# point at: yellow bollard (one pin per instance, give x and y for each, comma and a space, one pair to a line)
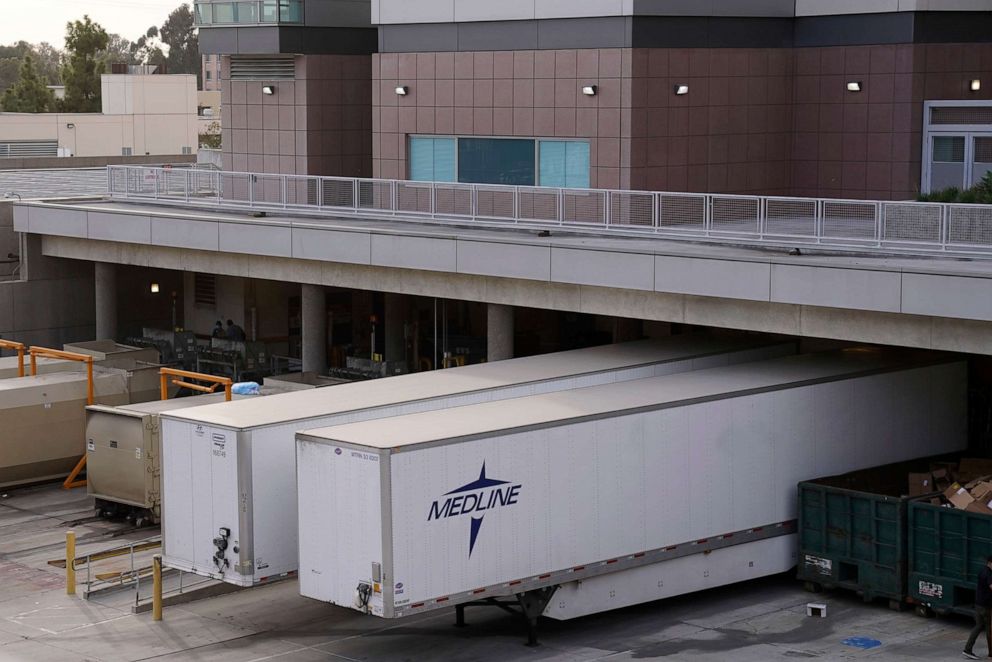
157, 587
70, 563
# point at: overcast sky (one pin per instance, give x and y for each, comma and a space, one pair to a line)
44, 20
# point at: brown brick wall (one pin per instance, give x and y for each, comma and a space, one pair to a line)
317, 124
770, 121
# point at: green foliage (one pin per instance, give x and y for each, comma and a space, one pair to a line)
46, 60
210, 140
29, 94
980, 193
84, 42
179, 34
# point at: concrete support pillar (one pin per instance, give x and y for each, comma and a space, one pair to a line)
499, 337
313, 303
105, 283
395, 315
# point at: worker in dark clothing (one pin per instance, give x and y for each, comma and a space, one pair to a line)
219, 330
983, 608
234, 332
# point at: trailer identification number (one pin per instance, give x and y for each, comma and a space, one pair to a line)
371, 457
220, 441
931, 590
818, 564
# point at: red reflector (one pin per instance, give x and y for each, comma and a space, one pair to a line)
478, 590
263, 579
515, 582
728, 535
700, 542
577, 568
442, 599
638, 555
760, 528
419, 604
672, 548
611, 561
291, 573
544, 576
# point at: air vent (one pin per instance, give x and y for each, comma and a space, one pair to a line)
205, 290
250, 67
961, 115
21, 148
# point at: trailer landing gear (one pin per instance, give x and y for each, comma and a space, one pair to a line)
529, 604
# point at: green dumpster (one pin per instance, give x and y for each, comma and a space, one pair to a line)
852, 530
947, 549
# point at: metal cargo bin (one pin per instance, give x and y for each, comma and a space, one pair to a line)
608, 496
232, 466
947, 549
8, 366
123, 453
44, 421
104, 352
852, 530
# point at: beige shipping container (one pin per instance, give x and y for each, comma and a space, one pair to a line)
44, 421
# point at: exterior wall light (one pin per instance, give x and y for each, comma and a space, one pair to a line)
975, 85
854, 86
590, 90
402, 90
681, 90
154, 288
70, 125
268, 89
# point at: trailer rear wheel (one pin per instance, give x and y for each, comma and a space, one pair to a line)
813, 587
924, 611
897, 605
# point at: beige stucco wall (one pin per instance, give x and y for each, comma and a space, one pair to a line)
150, 114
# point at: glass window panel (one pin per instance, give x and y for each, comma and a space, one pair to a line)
496, 161
291, 11
577, 164
948, 149
444, 160
552, 166
204, 13
432, 159
223, 12
982, 162
247, 12
270, 11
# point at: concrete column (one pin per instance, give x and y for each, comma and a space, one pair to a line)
499, 337
314, 309
105, 283
395, 315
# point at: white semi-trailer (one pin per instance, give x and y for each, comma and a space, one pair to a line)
229, 469
581, 501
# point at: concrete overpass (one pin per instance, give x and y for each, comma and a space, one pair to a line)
863, 295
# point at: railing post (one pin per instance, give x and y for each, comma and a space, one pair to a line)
186, 173
433, 199
283, 182
251, 190
879, 221
356, 194
157, 587
561, 207
393, 196
608, 208
516, 204
945, 226
708, 215
70, 563
762, 215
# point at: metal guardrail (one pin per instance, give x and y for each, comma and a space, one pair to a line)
912, 227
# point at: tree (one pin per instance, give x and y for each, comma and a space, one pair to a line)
49, 62
179, 34
84, 40
11, 58
119, 50
147, 49
29, 94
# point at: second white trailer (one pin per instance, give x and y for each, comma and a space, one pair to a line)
229, 470
603, 497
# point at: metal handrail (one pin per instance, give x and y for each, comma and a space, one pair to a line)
19, 348
892, 226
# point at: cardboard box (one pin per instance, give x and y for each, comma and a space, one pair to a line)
920, 484
983, 507
958, 496
974, 467
982, 491
942, 478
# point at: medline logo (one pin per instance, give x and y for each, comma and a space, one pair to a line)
475, 499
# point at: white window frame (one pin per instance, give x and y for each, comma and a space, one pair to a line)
968, 131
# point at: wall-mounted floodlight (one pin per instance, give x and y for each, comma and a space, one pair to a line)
269, 89
854, 86
154, 288
402, 90
975, 85
590, 90
681, 90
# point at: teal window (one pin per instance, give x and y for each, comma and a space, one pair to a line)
432, 159
564, 163
496, 161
